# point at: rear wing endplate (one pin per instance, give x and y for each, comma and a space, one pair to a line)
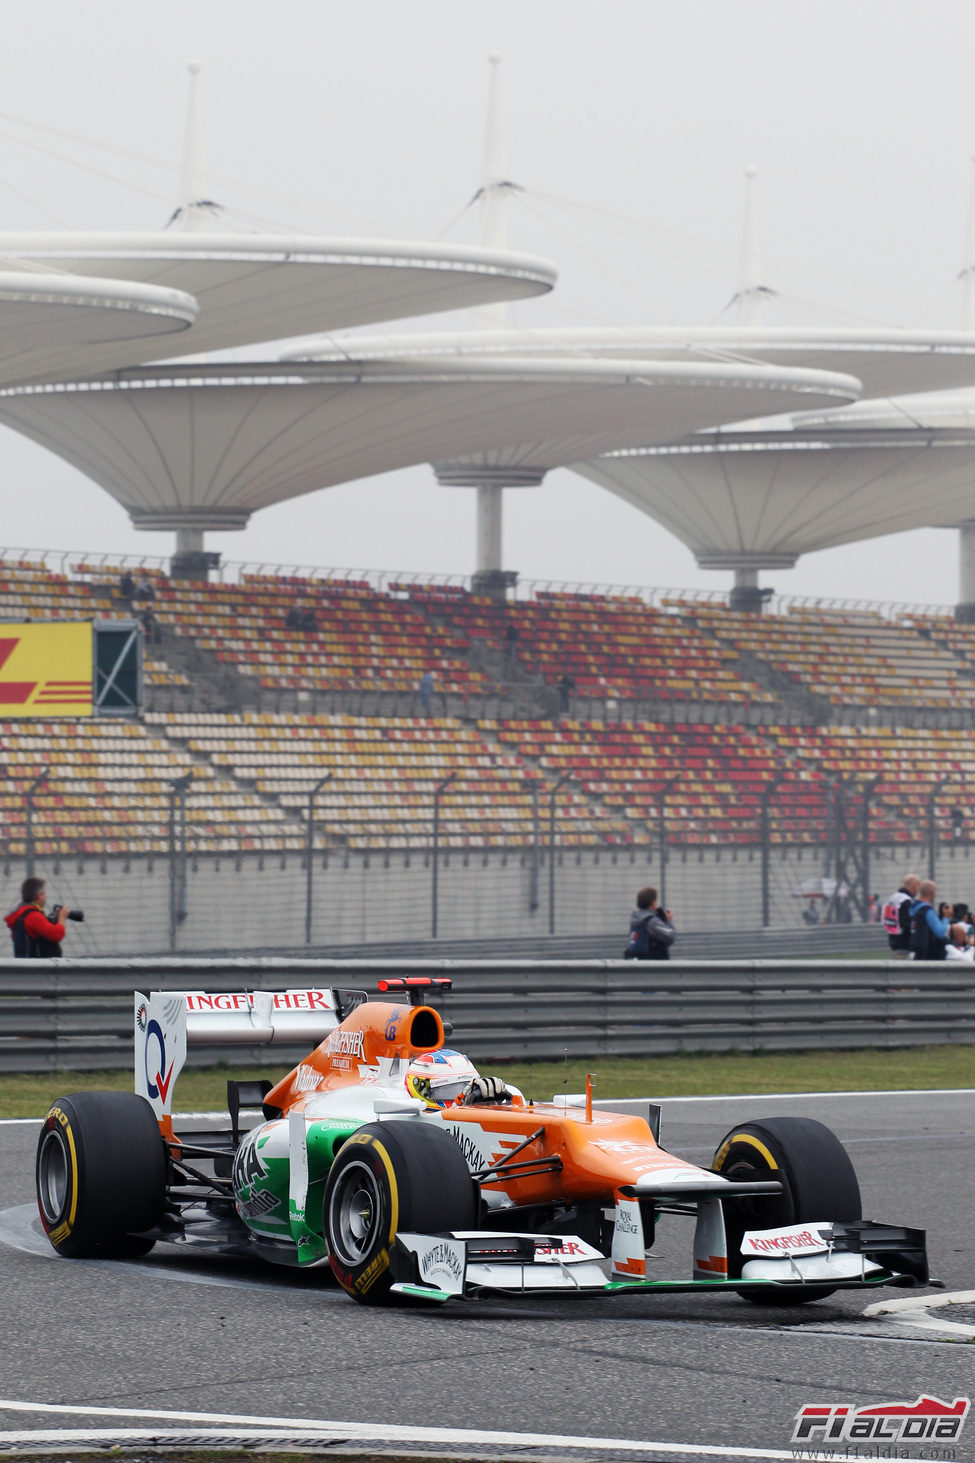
166, 1022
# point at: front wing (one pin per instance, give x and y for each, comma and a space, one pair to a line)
441, 1267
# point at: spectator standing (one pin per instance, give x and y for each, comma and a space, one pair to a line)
510, 649
566, 685
426, 692
651, 929
34, 935
929, 931
145, 591
896, 917
961, 914
961, 943
293, 618
150, 625
126, 586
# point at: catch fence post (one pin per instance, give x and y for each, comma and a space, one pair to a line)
29, 830
665, 791
560, 782
533, 879
438, 792
177, 854
310, 849
936, 788
869, 788
768, 793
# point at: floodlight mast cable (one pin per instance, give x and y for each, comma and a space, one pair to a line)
966, 536
495, 190
751, 292
750, 298
195, 211
494, 234
479, 472
967, 272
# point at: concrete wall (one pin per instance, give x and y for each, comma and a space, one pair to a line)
254, 904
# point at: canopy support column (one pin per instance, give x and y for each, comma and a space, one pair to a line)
965, 608
490, 521
189, 541
746, 594
490, 481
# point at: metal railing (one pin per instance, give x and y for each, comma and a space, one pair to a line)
77, 1015
65, 561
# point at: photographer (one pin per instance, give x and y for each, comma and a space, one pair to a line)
651, 929
35, 936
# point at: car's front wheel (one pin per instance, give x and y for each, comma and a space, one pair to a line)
818, 1183
388, 1177
100, 1173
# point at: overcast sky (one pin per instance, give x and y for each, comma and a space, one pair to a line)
629, 125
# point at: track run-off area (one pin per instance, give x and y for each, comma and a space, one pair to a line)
179, 1351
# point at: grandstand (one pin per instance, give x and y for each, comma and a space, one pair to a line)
807, 743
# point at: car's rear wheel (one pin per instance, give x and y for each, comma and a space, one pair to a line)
100, 1174
388, 1177
818, 1182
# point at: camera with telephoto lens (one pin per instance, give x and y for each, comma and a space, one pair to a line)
78, 915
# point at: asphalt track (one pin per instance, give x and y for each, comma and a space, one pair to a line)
169, 1347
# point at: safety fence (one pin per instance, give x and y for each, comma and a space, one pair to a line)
67, 562
78, 1015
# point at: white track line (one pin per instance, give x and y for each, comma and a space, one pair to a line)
914, 1311
804, 1096
177, 1117
717, 1097
250, 1438
280, 1430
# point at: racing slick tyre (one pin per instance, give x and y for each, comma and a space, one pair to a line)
818, 1182
100, 1173
388, 1177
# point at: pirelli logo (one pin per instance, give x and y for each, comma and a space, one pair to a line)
45, 670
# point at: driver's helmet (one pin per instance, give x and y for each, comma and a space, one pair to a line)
438, 1078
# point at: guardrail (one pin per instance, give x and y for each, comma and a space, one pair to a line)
76, 1015
800, 942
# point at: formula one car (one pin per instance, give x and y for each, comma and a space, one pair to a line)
388, 1158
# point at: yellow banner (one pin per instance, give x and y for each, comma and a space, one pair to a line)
45, 670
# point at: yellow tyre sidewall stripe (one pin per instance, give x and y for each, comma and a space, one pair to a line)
749, 1141
387, 1162
66, 1224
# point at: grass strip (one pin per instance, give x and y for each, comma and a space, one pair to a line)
29, 1095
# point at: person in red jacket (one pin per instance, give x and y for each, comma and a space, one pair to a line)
33, 934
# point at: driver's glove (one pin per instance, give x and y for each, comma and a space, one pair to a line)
487, 1089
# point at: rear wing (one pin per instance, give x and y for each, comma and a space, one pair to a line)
166, 1022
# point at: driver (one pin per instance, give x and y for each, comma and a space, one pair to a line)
441, 1078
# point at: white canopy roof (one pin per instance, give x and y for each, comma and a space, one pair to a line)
207, 445
753, 499
259, 287
887, 362
760, 493
928, 411
44, 314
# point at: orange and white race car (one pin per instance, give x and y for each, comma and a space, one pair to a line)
387, 1157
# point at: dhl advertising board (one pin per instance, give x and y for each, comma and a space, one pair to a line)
45, 670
